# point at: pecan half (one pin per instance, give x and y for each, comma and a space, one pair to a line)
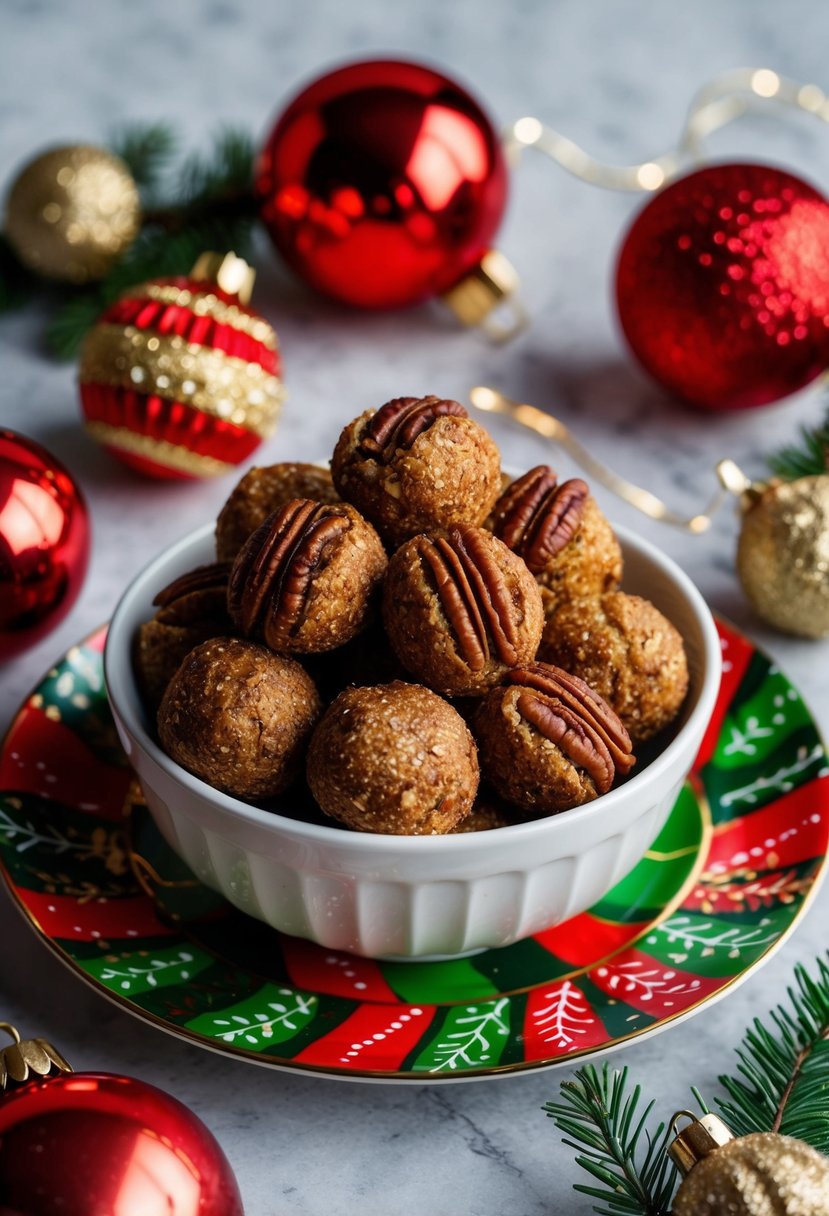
566, 710
474, 595
536, 517
271, 578
398, 423
203, 578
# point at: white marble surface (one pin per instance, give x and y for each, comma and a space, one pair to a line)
614, 75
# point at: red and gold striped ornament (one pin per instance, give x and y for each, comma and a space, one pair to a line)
179, 378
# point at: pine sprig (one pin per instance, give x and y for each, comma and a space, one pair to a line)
227, 171
782, 1085
154, 254
211, 206
601, 1120
806, 459
146, 149
782, 1081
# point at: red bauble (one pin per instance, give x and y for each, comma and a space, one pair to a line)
44, 542
93, 1144
179, 378
723, 286
382, 184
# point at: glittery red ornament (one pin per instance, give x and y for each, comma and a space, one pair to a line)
44, 542
95, 1144
179, 378
723, 286
382, 184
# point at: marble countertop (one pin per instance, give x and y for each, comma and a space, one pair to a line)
616, 76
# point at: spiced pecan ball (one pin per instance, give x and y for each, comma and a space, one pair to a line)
304, 582
261, 492
548, 742
191, 610
417, 463
460, 609
628, 653
562, 535
239, 716
395, 759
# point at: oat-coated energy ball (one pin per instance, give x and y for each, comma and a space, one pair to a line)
263, 491
417, 463
304, 582
395, 759
627, 652
460, 609
191, 610
548, 742
561, 533
238, 716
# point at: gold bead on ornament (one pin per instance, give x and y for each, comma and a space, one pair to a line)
71, 212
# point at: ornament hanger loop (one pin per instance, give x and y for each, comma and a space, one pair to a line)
10, 1030
721, 101
549, 427
674, 1122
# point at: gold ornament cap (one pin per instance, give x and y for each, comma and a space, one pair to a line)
27, 1057
229, 272
701, 1137
490, 284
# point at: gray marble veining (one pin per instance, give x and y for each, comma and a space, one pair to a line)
615, 75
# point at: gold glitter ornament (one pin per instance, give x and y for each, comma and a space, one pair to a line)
764, 1174
71, 212
783, 550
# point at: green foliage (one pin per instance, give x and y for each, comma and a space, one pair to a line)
782, 1081
781, 1085
601, 1121
206, 203
154, 254
227, 171
808, 458
146, 149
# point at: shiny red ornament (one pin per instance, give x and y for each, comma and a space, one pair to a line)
723, 286
382, 184
44, 542
94, 1144
179, 378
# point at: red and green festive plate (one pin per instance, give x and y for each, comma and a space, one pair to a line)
724, 883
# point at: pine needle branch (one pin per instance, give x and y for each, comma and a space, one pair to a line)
782, 1081
213, 208
154, 254
806, 459
146, 149
602, 1123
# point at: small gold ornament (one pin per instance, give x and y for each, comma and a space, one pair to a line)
71, 212
783, 549
764, 1174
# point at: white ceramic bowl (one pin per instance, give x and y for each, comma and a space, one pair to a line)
413, 896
